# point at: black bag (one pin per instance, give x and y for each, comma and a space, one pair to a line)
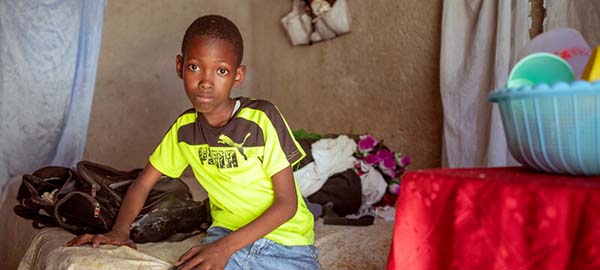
37, 192
89, 200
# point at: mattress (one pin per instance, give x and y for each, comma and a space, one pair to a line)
341, 247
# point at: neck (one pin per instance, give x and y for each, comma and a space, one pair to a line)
221, 117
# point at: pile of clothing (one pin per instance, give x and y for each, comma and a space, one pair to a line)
339, 178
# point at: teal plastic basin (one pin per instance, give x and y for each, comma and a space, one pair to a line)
553, 128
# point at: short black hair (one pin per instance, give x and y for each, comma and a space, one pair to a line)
215, 26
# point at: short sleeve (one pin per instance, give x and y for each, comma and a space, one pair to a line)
281, 149
168, 157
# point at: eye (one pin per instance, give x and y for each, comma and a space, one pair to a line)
194, 67
222, 71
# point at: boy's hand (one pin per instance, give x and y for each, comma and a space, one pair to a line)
110, 238
204, 257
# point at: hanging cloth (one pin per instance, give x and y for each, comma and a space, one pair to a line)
480, 41
48, 59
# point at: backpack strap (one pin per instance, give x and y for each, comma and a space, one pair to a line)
86, 213
102, 177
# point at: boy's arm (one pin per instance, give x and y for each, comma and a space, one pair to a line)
217, 253
130, 207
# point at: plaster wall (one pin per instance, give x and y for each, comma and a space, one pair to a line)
382, 78
138, 94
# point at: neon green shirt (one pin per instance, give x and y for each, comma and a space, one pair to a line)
234, 164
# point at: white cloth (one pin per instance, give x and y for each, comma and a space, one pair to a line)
386, 212
582, 15
480, 41
373, 188
297, 24
331, 156
330, 21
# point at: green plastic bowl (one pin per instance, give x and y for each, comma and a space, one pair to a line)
540, 68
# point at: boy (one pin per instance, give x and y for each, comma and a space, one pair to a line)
241, 151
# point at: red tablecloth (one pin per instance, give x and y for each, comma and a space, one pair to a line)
496, 218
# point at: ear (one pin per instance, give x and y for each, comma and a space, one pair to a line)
179, 66
240, 74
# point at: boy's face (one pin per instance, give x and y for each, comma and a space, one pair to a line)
209, 71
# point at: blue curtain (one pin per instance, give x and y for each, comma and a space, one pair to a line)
48, 60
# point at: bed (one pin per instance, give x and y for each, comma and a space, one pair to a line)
341, 247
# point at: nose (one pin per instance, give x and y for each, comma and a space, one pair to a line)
206, 81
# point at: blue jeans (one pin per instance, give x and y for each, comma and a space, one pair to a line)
265, 254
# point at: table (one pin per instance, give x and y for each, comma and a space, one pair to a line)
496, 218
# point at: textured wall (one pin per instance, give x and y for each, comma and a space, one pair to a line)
381, 78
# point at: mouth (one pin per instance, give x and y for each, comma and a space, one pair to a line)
203, 97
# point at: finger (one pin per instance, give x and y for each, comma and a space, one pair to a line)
131, 244
98, 239
72, 241
188, 255
80, 240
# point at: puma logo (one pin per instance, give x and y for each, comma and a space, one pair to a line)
223, 139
